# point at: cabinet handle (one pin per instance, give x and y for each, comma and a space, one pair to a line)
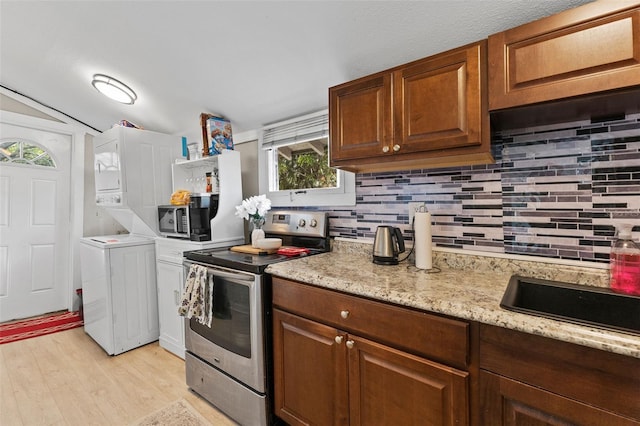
344, 314
396, 148
385, 149
176, 296
339, 339
350, 344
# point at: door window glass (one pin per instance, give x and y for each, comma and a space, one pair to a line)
23, 152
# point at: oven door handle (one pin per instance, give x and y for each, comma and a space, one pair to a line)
223, 273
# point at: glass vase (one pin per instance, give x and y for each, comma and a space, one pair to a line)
257, 233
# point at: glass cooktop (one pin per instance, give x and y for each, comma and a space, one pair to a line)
255, 263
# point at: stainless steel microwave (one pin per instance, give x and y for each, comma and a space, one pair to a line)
173, 221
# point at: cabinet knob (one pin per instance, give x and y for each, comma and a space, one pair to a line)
350, 344
396, 148
339, 339
385, 149
344, 314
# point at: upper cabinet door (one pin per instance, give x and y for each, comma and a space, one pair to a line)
589, 49
360, 117
438, 102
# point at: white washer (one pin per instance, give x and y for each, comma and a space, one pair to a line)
119, 291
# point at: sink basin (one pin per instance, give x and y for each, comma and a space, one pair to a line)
595, 306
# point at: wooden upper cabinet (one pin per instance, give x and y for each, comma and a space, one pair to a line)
428, 113
590, 49
437, 102
361, 119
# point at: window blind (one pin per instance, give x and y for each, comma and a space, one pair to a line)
297, 130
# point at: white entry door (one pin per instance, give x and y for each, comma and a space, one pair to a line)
34, 221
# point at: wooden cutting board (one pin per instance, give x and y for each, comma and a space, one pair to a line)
252, 250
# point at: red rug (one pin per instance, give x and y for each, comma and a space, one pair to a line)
25, 329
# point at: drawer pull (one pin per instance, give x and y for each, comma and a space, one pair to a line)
350, 344
339, 339
344, 314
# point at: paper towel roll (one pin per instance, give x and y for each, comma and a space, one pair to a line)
422, 241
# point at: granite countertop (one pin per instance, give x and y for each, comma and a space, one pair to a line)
468, 287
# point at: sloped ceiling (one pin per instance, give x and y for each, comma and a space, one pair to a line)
252, 62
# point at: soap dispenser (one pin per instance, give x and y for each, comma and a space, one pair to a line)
625, 262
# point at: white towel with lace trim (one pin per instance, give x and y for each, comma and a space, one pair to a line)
197, 298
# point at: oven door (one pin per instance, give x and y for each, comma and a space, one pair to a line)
235, 341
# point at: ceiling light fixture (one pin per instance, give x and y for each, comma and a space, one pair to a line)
114, 89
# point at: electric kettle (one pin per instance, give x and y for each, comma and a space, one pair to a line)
387, 245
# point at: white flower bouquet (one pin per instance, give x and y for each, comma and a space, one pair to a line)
254, 208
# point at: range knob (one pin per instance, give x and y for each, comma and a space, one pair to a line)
302, 223
313, 223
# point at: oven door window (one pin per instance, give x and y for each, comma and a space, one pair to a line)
231, 324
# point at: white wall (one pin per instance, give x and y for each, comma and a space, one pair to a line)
12, 105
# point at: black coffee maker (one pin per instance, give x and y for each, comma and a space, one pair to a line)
202, 208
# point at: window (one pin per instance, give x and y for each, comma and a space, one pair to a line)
21, 152
294, 165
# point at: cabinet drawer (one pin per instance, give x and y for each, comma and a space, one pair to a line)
438, 338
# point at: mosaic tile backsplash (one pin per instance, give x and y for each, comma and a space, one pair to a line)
554, 191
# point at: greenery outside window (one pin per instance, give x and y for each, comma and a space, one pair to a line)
23, 152
294, 160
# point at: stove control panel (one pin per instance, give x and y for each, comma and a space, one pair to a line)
295, 222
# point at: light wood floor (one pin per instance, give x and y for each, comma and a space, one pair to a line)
67, 379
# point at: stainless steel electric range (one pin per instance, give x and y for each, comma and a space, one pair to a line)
230, 364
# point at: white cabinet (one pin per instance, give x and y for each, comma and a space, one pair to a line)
170, 280
133, 175
170, 287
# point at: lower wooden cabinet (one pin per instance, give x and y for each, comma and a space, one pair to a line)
387, 386
325, 375
510, 402
533, 380
310, 376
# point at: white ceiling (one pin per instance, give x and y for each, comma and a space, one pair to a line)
253, 62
